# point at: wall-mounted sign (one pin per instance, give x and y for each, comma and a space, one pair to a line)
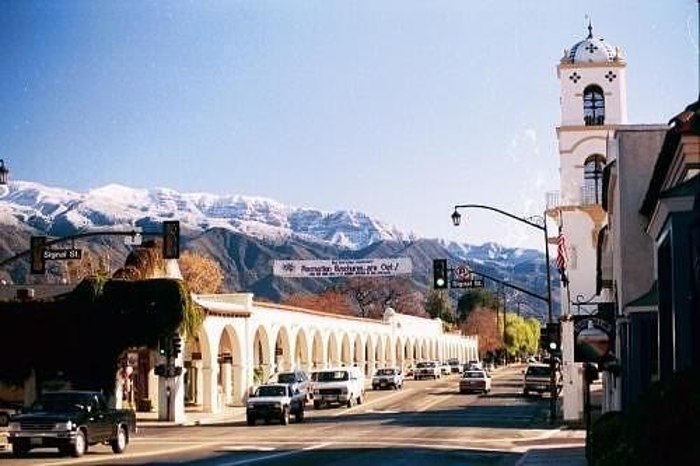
342, 268
594, 338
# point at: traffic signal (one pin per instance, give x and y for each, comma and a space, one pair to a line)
177, 345
553, 338
164, 348
171, 239
440, 274
37, 260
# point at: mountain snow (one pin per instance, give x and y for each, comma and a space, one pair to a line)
57, 211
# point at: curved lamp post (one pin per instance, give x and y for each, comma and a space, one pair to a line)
457, 219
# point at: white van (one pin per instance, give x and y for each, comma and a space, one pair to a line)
344, 385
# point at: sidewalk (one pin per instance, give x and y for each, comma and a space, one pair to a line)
194, 418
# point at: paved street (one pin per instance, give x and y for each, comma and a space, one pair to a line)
428, 422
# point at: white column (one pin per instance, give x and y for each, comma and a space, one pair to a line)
572, 373
210, 401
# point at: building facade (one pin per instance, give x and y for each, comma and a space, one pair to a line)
243, 343
592, 78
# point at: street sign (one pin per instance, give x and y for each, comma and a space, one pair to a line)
470, 283
462, 273
63, 254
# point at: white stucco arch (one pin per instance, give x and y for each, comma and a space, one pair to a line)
302, 351
262, 353
283, 350
333, 350
239, 336
318, 352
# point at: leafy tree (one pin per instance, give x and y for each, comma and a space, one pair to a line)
474, 298
200, 273
482, 322
437, 304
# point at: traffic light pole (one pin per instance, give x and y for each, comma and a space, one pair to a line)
456, 218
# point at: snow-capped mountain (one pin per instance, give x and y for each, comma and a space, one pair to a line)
59, 212
244, 234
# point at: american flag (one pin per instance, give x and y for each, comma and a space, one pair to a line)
562, 257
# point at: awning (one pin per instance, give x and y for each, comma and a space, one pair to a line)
647, 302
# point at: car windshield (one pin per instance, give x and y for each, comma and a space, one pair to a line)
271, 391
61, 402
286, 378
386, 372
474, 375
538, 371
333, 376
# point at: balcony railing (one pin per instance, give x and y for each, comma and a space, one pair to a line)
587, 196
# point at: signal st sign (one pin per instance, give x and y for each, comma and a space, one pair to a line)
63, 254
342, 268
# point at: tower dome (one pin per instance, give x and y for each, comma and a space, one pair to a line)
592, 49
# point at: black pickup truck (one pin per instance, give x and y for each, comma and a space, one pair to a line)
70, 421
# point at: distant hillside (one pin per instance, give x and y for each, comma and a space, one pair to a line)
244, 235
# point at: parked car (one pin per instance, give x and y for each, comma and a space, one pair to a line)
455, 366
475, 381
275, 401
427, 370
473, 365
388, 377
299, 380
445, 368
70, 421
345, 385
538, 379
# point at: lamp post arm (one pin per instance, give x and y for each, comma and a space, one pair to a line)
502, 212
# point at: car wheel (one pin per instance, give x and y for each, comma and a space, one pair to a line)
317, 404
350, 402
360, 399
80, 446
20, 449
284, 419
299, 417
250, 420
119, 443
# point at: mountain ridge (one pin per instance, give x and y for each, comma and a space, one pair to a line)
244, 233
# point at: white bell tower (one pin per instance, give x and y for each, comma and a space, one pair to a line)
592, 78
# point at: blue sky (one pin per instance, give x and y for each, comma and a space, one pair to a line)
399, 109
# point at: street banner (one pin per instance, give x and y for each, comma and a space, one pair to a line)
342, 268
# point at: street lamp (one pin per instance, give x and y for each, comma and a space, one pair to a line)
457, 219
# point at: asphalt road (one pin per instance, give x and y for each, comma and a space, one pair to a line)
428, 422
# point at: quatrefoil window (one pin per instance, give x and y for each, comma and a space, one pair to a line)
575, 77
610, 76
591, 48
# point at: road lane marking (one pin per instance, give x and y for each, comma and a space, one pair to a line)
245, 448
128, 455
432, 403
369, 403
278, 455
